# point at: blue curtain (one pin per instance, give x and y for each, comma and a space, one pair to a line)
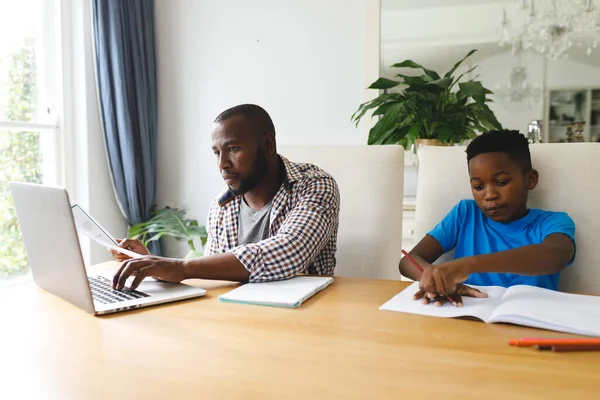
126, 75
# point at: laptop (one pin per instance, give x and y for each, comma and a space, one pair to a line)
56, 262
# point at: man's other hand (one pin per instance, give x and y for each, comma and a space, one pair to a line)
129, 244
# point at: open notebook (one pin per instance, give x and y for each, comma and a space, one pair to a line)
289, 293
520, 305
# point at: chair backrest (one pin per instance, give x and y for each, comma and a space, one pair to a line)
370, 180
569, 182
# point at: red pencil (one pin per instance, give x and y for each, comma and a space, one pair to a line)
412, 260
581, 347
551, 342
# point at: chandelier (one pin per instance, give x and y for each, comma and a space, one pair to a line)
518, 93
552, 27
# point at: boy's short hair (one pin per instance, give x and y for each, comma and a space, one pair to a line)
511, 142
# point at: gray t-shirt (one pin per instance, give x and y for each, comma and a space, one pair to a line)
253, 226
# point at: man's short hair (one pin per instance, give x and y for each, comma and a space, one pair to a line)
251, 112
511, 142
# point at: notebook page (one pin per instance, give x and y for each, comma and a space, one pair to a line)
472, 307
547, 309
288, 293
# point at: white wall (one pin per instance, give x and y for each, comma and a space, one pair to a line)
302, 60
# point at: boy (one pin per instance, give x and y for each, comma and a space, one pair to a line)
497, 239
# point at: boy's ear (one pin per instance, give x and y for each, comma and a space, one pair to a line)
532, 179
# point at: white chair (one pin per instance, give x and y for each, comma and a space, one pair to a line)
569, 182
370, 180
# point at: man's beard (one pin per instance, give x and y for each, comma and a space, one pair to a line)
259, 170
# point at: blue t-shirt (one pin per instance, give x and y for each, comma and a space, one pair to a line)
467, 230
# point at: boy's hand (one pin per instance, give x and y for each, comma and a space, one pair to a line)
130, 244
461, 290
442, 279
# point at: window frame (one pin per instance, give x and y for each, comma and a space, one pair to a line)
50, 59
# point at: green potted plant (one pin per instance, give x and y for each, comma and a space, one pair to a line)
170, 222
443, 110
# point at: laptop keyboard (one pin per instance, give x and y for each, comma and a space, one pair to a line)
102, 291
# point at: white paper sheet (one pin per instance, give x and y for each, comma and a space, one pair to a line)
86, 225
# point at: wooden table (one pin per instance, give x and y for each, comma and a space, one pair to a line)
336, 345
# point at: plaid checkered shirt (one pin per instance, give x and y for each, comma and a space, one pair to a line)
303, 227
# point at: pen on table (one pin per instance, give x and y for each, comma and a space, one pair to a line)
579, 347
412, 260
552, 342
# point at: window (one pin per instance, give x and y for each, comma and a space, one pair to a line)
29, 134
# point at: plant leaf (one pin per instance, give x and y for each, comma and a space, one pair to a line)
194, 254
444, 133
380, 100
399, 136
443, 83
168, 222
415, 80
383, 83
488, 119
413, 132
463, 74
382, 109
449, 73
412, 64
473, 89
385, 124
385, 137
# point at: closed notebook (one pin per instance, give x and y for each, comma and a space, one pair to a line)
520, 305
289, 293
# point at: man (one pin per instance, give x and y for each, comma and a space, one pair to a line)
274, 220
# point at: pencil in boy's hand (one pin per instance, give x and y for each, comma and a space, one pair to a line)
412, 260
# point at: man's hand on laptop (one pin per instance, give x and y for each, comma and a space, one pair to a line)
129, 244
161, 268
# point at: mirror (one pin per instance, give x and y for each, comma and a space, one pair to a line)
560, 92
562, 97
